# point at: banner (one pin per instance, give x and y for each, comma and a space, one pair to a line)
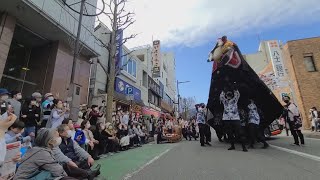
277, 60
156, 55
119, 51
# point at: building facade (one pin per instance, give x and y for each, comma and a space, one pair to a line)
268, 63
302, 58
37, 41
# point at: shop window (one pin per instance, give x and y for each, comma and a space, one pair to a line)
309, 63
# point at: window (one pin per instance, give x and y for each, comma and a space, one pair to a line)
145, 79
309, 63
129, 65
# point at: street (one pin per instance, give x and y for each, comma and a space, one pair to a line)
187, 160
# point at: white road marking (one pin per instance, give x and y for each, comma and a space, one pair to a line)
129, 175
305, 155
310, 138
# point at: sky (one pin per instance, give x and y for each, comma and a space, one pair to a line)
190, 28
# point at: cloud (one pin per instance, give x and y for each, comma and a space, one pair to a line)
195, 22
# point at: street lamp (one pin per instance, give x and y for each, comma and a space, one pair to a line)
179, 93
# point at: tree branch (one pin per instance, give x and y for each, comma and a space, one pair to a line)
124, 40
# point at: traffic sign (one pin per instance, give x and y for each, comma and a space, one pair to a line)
129, 91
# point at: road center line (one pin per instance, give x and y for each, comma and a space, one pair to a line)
129, 175
305, 155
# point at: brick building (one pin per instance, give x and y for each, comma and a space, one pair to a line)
302, 60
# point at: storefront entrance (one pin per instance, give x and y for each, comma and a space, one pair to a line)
27, 62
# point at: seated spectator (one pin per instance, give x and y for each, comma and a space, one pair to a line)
112, 140
14, 133
137, 130
71, 131
91, 142
58, 114
122, 134
145, 131
79, 137
134, 138
99, 135
39, 161
75, 160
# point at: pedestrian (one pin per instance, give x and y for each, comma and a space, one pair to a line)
293, 117
15, 102
254, 128
231, 117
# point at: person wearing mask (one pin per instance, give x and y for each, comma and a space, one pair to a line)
71, 131
75, 160
314, 119
7, 118
122, 134
30, 116
94, 114
231, 117
47, 108
137, 130
38, 107
254, 130
91, 142
293, 117
58, 114
112, 140
14, 133
15, 102
41, 158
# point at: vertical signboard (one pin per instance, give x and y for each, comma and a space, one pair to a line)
156, 59
119, 53
277, 60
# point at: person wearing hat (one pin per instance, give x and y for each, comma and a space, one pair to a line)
46, 108
15, 102
292, 115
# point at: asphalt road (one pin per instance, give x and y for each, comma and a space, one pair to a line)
188, 161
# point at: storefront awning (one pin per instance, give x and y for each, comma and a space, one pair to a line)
123, 99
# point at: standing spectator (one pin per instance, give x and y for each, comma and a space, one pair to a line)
58, 114
314, 119
94, 115
293, 117
38, 107
125, 118
15, 102
30, 116
47, 108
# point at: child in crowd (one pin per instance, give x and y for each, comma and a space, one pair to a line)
14, 133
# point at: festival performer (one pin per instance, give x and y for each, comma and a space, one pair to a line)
202, 124
254, 129
230, 69
231, 117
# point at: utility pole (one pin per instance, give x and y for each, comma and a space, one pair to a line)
74, 90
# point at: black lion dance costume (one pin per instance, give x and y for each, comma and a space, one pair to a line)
234, 86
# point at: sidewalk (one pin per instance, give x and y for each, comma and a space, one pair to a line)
310, 134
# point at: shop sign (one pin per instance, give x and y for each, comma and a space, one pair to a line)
154, 86
122, 87
156, 59
277, 60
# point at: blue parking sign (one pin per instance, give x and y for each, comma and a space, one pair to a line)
129, 90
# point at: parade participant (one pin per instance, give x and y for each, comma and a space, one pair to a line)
231, 117
293, 117
200, 119
254, 122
